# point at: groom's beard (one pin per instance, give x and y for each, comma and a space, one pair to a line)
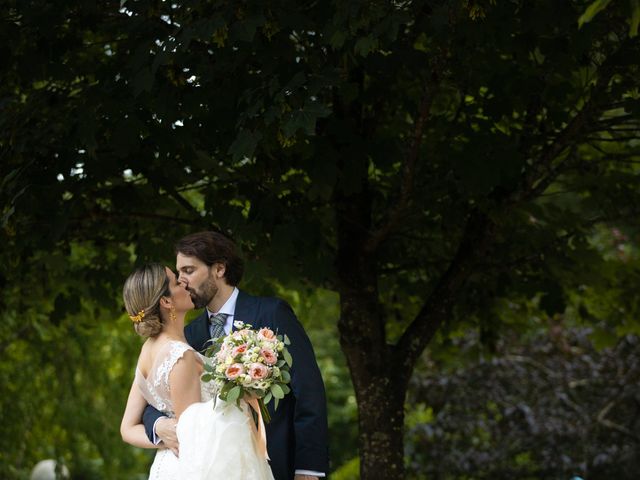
202, 296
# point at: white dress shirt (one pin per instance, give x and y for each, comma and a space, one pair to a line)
229, 309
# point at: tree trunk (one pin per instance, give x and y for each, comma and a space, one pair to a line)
380, 423
380, 391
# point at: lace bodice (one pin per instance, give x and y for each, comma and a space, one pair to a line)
155, 387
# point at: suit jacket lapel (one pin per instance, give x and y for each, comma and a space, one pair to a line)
245, 308
199, 331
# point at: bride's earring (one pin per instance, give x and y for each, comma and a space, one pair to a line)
172, 314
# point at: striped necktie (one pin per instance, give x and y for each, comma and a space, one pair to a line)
218, 322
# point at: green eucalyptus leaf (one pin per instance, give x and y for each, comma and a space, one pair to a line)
234, 394
288, 358
276, 391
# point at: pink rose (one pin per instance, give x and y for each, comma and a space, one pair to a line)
239, 350
267, 334
269, 356
234, 371
258, 371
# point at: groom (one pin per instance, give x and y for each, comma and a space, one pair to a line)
297, 438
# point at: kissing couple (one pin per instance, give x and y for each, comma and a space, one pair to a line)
170, 409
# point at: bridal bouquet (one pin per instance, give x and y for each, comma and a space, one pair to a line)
250, 362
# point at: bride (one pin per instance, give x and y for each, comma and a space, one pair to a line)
217, 439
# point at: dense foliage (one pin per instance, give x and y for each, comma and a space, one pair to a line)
549, 407
426, 161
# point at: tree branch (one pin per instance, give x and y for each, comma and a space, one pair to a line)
553, 173
602, 420
126, 215
479, 233
542, 173
408, 172
477, 236
616, 139
182, 201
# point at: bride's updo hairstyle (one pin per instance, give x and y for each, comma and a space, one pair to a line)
141, 294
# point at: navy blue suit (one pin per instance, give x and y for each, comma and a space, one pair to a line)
297, 437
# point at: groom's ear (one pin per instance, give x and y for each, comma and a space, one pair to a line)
219, 269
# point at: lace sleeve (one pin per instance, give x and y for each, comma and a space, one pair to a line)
158, 381
176, 352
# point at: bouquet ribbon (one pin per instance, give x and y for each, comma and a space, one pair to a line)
260, 432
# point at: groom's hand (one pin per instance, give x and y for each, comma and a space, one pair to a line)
166, 431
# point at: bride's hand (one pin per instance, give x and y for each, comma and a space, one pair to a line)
166, 431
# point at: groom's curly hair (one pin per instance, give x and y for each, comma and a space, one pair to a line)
214, 247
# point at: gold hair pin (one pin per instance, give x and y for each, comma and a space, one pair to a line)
137, 318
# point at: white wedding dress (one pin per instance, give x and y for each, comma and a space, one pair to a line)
216, 442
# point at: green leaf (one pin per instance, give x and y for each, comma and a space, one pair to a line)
287, 357
143, 81
285, 389
234, 394
286, 340
635, 18
212, 350
245, 30
366, 45
286, 376
337, 39
125, 138
244, 145
592, 10
422, 43
207, 377
224, 391
277, 391
305, 118
267, 398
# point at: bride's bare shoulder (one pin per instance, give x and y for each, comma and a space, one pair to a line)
147, 355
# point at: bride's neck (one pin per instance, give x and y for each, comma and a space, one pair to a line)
174, 329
